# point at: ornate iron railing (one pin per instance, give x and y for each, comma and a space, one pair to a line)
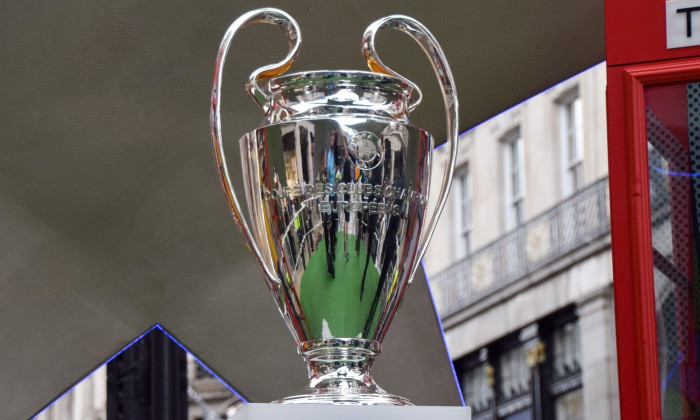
572, 224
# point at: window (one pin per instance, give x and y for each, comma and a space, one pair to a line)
515, 185
571, 132
567, 356
565, 388
478, 393
533, 372
569, 406
463, 192
522, 415
514, 373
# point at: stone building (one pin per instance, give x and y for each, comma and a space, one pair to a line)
86, 401
520, 264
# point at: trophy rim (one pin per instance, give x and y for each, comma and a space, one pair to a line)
331, 117
323, 77
333, 92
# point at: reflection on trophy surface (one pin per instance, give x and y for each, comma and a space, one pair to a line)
336, 188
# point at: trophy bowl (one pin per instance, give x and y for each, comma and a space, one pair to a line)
336, 187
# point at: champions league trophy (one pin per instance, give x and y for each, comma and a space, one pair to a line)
336, 187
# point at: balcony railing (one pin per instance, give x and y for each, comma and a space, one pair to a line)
572, 224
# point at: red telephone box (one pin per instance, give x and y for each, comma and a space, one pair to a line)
654, 157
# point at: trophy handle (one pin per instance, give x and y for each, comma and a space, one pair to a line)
449, 94
291, 29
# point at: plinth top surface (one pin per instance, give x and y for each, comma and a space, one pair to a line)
349, 412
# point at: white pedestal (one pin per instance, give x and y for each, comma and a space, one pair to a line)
349, 412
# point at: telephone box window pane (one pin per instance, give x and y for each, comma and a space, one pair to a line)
673, 136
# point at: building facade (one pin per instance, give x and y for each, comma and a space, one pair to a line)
520, 264
86, 401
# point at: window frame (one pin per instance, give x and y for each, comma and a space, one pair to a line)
571, 131
514, 173
463, 206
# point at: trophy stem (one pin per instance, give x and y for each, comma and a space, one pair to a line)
340, 373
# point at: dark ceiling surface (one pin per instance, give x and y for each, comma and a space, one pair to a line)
111, 214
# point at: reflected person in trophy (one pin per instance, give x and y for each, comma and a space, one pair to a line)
338, 157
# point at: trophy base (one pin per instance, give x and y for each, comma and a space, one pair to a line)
340, 374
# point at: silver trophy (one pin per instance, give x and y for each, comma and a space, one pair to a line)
336, 187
